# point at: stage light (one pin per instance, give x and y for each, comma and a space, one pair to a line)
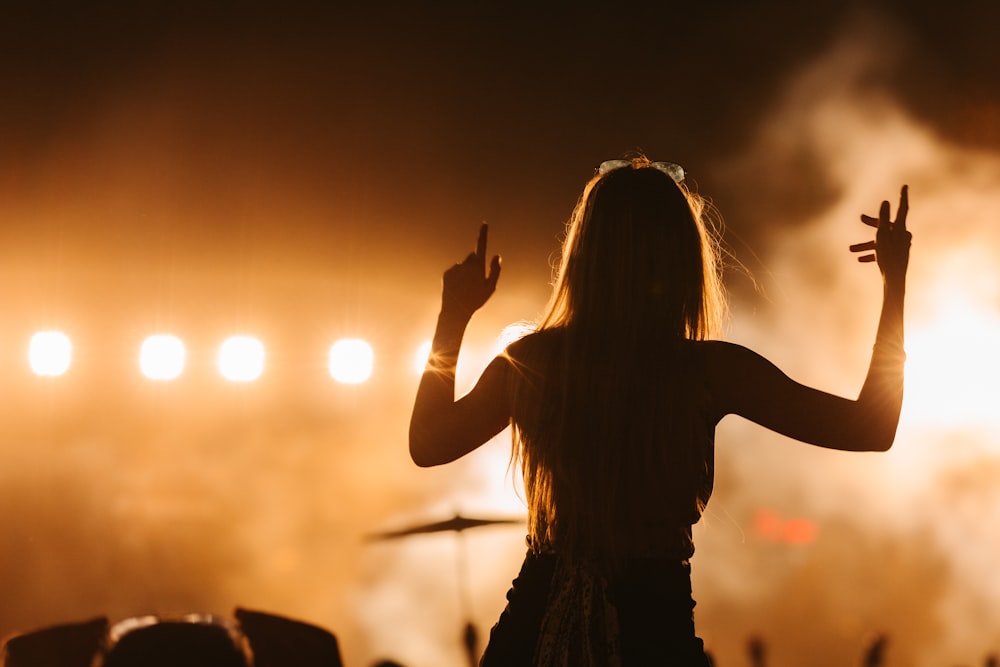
162, 357
351, 361
423, 354
241, 359
50, 353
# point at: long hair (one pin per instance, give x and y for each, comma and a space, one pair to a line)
603, 424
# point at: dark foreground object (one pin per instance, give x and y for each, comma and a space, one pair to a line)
257, 638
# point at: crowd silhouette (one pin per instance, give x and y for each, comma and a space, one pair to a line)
257, 639
250, 639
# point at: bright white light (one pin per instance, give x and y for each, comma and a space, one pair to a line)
423, 354
351, 361
50, 353
162, 357
241, 359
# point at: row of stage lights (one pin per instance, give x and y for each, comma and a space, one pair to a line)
162, 357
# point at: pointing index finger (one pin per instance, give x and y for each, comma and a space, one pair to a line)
481, 243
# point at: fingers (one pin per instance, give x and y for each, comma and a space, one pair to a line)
867, 246
481, 243
883, 215
479, 258
881, 223
884, 225
494, 274
904, 207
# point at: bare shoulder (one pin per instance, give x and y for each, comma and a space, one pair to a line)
741, 380
720, 350
533, 345
727, 364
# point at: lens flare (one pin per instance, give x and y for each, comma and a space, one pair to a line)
421, 357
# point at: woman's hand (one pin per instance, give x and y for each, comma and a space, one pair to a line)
467, 286
891, 247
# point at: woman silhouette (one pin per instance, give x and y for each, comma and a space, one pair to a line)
614, 399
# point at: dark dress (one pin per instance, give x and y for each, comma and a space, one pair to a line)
559, 614
564, 612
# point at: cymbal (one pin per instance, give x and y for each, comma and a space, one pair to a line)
457, 523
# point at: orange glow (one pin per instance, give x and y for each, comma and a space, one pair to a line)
771, 527
953, 363
799, 531
214, 184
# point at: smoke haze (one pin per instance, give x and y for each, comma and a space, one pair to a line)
902, 539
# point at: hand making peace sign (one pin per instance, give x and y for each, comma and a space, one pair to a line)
891, 247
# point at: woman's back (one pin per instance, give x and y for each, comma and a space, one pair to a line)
616, 445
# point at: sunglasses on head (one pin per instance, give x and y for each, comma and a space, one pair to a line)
671, 169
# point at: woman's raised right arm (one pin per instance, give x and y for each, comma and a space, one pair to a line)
442, 428
747, 384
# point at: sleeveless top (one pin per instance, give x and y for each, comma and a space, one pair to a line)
566, 611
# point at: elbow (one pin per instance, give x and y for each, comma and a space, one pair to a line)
421, 459
874, 428
880, 440
418, 454
882, 445
421, 451
886, 443
886, 435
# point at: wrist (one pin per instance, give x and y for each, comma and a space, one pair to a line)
454, 314
894, 287
450, 330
